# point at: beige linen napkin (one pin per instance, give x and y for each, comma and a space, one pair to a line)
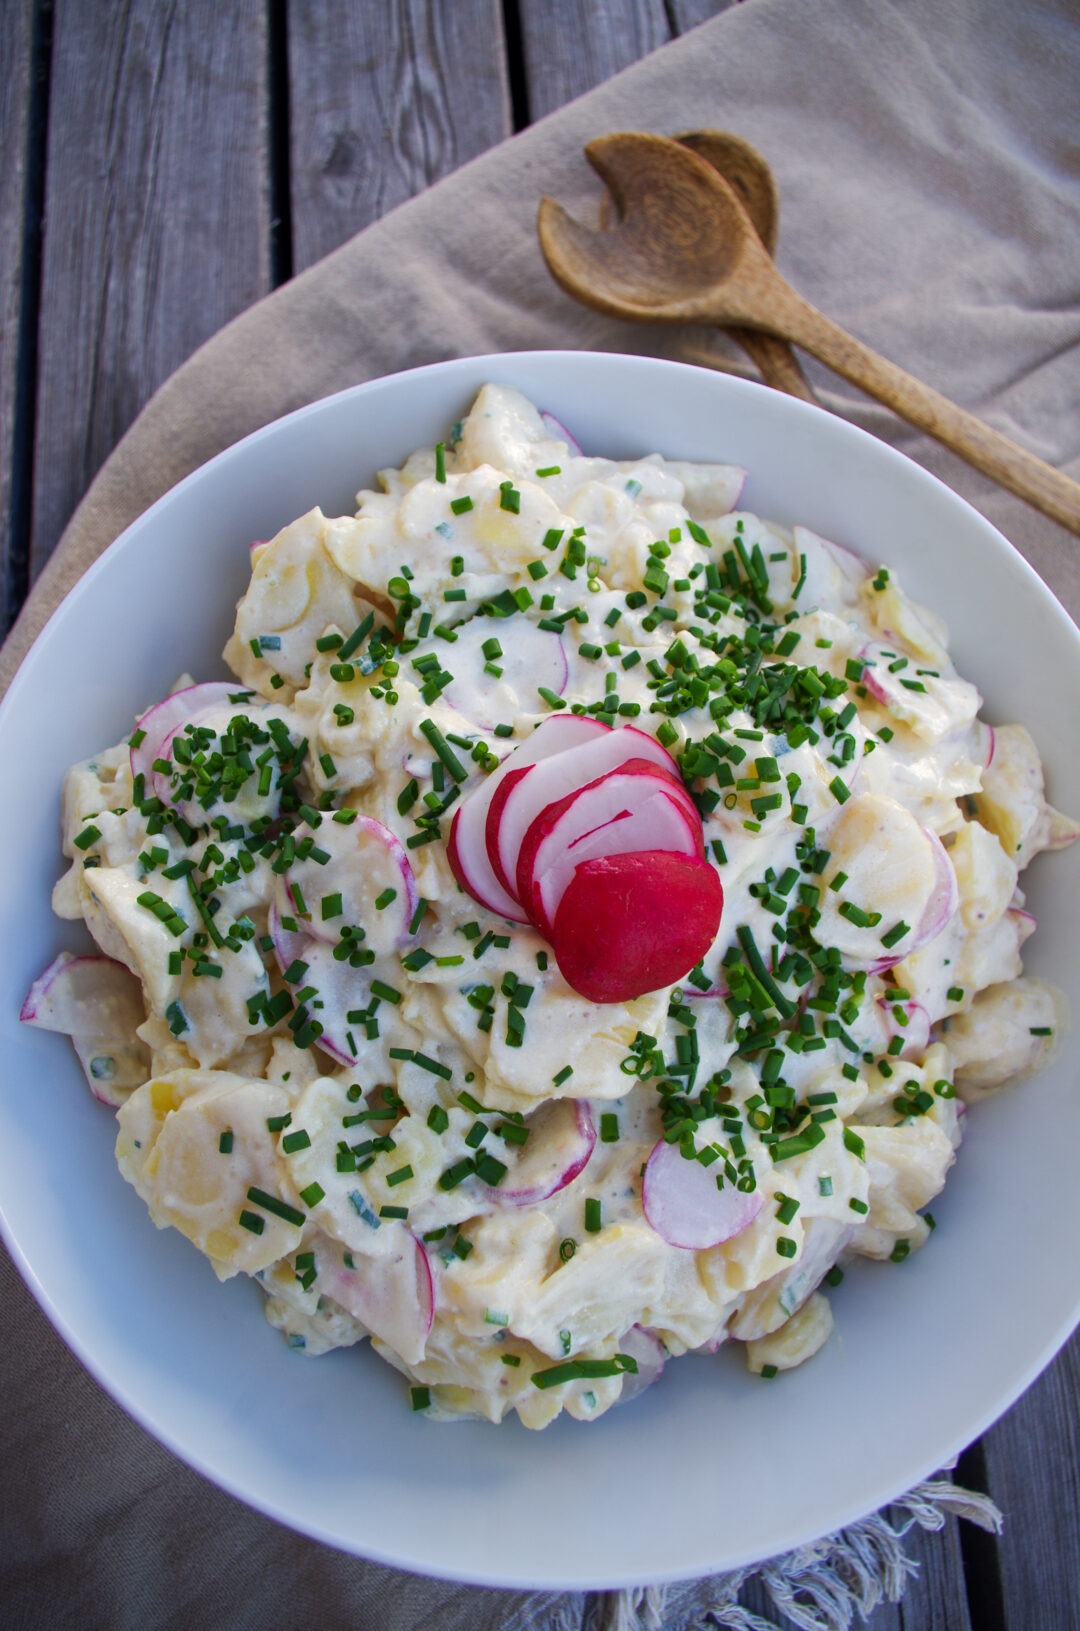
931, 204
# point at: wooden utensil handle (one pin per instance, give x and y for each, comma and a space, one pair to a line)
776, 362
1030, 478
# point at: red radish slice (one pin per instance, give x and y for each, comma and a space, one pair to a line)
559, 432
367, 862
634, 808
341, 989
532, 658
99, 1004
943, 901
391, 1294
466, 848
913, 1028
628, 924
289, 944
516, 804
78, 995
164, 718
644, 1346
562, 1136
684, 1206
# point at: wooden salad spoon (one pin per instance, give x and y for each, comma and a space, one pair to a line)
684, 250
749, 175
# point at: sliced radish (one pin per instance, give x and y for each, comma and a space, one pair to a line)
562, 1137
340, 990
559, 432
165, 718
392, 1295
534, 657
289, 944
628, 924
367, 863
636, 807
684, 1206
909, 1021
99, 1004
944, 897
466, 847
645, 1347
516, 803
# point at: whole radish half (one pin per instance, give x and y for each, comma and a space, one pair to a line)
627, 924
684, 1206
466, 848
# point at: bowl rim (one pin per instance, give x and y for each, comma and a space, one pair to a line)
468, 370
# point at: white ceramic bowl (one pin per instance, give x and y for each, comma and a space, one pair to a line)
712, 1468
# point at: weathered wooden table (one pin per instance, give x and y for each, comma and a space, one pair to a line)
165, 165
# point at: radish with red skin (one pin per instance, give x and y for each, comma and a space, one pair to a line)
913, 1029
366, 859
628, 924
392, 1295
630, 809
682, 1203
562, 1137
559, 433
98, 1002
647, 1349
516, 804
165, 718
466, 848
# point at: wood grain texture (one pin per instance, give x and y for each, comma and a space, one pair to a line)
569, 48
688, 13
156, 218
385, 99
1033, 1469
16, 36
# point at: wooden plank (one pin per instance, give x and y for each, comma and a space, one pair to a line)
569, 48
386, 99
1033, 1472
16, 53
157, 218
688, 13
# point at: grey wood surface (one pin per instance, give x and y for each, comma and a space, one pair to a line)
186, 157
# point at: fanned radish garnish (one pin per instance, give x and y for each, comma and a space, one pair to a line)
517, 803
354, 873
561, 1138
630, 809
684, 1205
628, 924
467, 849
601, 836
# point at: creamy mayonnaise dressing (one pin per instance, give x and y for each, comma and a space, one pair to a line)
356, 1084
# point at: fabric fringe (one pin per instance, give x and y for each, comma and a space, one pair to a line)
818, 1587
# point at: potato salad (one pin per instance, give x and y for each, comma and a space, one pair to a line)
577, 928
